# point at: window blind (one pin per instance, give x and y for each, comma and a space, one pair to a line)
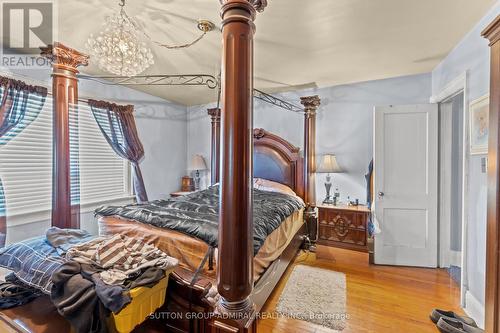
26, 163
103, 174
97, 173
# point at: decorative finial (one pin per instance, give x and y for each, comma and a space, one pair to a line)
259, 5
60, 54
311, 103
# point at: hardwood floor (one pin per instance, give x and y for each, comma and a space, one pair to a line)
379, 298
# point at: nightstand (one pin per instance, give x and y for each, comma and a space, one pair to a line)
179, 194
343, 226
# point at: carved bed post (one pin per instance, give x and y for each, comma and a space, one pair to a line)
235, 267
65, 94
214, 113
311, 104
492, 303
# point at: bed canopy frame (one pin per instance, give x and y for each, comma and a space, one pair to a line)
233, 142
205, 80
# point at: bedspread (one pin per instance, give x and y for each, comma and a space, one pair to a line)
196, 214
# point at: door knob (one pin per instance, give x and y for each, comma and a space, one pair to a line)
381, 194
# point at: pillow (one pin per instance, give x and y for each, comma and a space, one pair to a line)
269, 185
33, 261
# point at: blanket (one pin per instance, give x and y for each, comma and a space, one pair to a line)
197, 214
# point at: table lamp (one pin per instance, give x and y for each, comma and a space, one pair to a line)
328, 165
197, 164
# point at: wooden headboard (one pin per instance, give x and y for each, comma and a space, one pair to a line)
278, 160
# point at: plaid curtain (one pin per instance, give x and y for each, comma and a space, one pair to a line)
118, 126
16, 98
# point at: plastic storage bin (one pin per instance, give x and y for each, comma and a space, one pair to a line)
144, 302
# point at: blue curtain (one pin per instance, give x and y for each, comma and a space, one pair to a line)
20, 104
118, 126
3, 217
369, 202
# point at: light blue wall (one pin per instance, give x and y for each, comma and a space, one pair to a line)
344, 125
472, 55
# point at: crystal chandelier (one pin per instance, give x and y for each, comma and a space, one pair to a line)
121, 48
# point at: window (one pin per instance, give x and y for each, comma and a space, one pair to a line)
103, 174
26, 167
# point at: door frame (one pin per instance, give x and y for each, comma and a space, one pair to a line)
455, 87
492, 285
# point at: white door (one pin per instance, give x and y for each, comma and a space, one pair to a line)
406, 184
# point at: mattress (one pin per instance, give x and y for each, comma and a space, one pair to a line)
190, 251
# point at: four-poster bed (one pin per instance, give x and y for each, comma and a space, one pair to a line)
274, 159
239, 153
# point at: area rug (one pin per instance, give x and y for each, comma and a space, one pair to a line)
315, 295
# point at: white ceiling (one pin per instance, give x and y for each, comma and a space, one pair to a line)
297, 44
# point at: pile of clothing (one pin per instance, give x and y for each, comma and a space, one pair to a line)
87, 277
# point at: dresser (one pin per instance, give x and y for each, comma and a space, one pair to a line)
343, 226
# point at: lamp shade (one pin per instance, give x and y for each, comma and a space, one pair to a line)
197, 163
328, 164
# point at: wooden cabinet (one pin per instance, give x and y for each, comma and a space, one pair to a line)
343, 226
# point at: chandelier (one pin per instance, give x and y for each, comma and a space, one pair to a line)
121, 48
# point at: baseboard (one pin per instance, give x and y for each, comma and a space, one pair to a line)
474, 309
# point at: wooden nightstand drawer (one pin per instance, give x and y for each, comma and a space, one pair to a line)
341, 234
343, 226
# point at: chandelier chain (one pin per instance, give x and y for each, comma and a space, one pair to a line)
182, 46
204, 26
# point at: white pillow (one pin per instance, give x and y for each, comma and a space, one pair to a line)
269, 185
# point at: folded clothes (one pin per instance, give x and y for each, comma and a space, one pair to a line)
76, 299
97, 275
63, 239
113, 297
87, 277
15, 293
121, 257
148, 278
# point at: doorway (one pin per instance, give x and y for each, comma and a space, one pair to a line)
452, 188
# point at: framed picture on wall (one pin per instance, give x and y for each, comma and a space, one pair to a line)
479, 125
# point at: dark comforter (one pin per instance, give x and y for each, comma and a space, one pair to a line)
196, 214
